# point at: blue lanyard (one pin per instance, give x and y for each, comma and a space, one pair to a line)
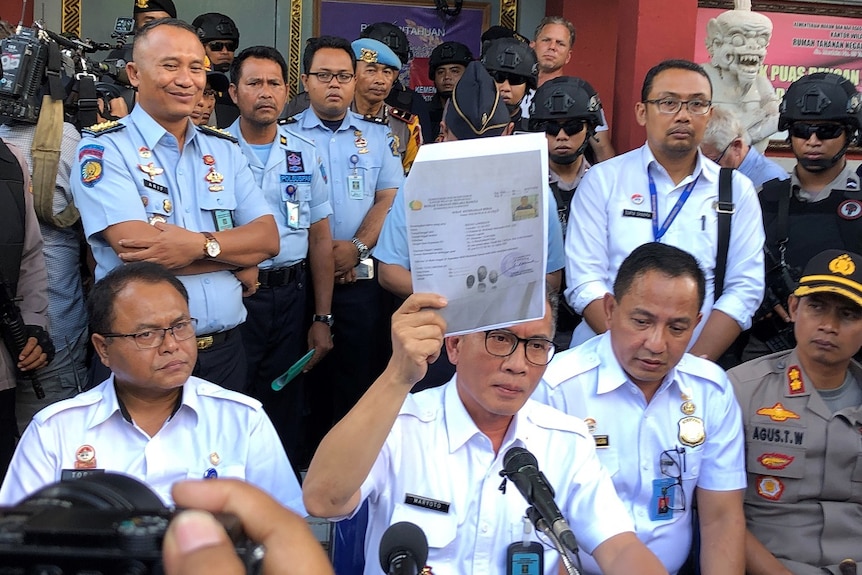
658, 232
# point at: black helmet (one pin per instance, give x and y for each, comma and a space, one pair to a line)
448, 53
824, 97
392, 36
512, 56
215, 26
566, 98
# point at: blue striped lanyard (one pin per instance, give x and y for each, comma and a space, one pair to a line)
658, 232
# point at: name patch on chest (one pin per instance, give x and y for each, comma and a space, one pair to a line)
637, 214
775, 435
426, 503
155, 186
67, 474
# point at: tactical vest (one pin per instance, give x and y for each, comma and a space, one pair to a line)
12, 208
833, 223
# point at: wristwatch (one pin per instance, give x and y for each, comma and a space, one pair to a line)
323, 318
364, 250
211, 248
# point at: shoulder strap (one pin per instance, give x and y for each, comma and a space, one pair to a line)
45, 153
725, 209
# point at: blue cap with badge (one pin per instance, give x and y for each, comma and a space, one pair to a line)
375, 52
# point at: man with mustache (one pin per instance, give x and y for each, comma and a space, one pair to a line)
666, 424
801, 411
667, 191
288, 168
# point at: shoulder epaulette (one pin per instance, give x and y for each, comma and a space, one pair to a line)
218, 133
103, 128
285, 121
375, 119
402, 115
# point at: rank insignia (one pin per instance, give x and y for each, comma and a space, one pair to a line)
282, 140
777, 413
214, 177
770, 488
151, 170
691, 431
775, 460
294, 162
795, 385
85, 457
144, 152
208, 160
91, 172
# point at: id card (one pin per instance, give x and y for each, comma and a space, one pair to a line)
663, 494
223, 220
292, 214
525, 559
355, 187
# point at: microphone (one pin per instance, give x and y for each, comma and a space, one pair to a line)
403, 549
521, 468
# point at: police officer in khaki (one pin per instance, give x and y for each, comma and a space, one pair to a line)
802, 411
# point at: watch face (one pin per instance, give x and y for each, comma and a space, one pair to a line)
213, 248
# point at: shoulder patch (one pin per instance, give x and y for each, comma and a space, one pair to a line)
218, 133
102, 128
285, 121
401, 115
375, 119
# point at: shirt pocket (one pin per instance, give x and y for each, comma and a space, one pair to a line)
212, 201
368, 167
440, 528
775, 472
296, 188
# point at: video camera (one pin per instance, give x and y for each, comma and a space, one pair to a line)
100, 524
24, 58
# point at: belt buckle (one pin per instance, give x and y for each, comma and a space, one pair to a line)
205, 342
724, 207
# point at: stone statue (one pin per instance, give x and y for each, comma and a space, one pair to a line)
736, 41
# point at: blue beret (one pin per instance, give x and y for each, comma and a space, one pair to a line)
375, 52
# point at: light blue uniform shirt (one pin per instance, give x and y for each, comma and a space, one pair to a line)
292, 173
392, 245
379, 167
112, 184
761, 169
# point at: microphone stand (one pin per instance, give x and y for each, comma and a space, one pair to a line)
542, 525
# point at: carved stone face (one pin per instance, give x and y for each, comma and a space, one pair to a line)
737, 41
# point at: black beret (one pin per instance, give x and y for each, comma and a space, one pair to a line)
476, 109
155, 6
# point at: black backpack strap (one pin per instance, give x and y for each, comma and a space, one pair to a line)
725, 208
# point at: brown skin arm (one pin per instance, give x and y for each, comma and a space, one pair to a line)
177, 248
758, 559
395, 278
718, 333
722, 532
322, 269
595, 316
624, 554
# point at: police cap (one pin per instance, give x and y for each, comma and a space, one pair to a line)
155, 6
448, 53
375, 52
476, 109
833, 271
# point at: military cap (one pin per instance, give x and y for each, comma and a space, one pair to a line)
833, 271
375, 52
155, 6
476, 109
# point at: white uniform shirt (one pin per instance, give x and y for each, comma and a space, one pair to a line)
600, 236
435, 451
213, 429
589, 383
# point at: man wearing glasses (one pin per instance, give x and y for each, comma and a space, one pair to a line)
151, 418
666, 424
434, 458
512, 65
822, 113
666, 191
220, 38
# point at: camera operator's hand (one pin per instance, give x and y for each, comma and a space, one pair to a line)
32, 357
196, 544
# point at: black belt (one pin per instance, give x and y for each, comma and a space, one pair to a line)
270, 278
211, 339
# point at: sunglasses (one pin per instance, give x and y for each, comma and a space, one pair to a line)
219, 46
804, 130
514, 79
553, 127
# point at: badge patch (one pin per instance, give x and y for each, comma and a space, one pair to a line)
215, 459
294, 161
208, 160
92, 151
425, 502
775, 460
770, 488
637, 199
795, 385
85, 457
591, 424
151, 170
91, 172
850, 209
144, 152
214, 177
691, 431
602, 441
777, 413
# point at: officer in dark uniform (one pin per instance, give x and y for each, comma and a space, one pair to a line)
445, 67
220, 38
401, 97
512, 64
819, 207
148, 10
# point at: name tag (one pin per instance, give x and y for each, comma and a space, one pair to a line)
427, 503
67, 474
155, 186
637, 214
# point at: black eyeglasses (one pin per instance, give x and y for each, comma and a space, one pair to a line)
502, 343
182, 330
326, 77
219, 46
804, 130
674, 105
672, 464
723, 152
513, 79
553, 127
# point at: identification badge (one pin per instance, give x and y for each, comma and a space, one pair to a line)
355, 187
223, 220
292, 214
525, 558
663, 493
68, 474
691, 431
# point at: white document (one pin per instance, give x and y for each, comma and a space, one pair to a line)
477, 228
